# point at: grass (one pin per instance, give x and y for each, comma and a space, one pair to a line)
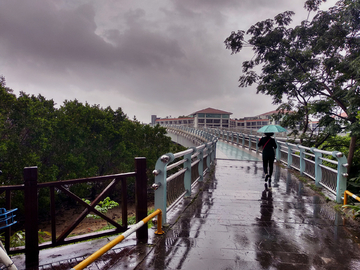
349, 211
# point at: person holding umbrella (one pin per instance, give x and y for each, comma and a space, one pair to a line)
268, 155
269, 145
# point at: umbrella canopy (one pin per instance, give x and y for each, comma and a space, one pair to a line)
271, 129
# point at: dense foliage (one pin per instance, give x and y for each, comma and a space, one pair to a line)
311, 70
74, 141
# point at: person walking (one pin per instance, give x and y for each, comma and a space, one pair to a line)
268, 155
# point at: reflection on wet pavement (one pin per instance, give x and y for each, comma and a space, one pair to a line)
233, 222
236, 223
228, 151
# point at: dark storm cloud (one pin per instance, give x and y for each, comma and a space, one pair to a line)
162, 57
68, 36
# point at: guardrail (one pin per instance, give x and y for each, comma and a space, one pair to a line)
31, 188
327, 168
310, 162
6, 221
121, 237
350, 194
175, 174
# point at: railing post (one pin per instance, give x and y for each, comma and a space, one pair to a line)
278, 151
213, 149
187, 174
250, 142
160, 183
31, 218
257, 147
243, 139
302, 160
318, 161
341, 175
289, 159
201, 165
237, 138
141, 197
209, 154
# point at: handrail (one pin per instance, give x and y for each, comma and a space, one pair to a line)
308, 161
31, 187
121, 237
173, 181
6, 220
350, 194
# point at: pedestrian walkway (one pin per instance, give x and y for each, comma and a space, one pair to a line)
228, 151
232, 222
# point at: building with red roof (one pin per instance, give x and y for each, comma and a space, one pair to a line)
215, 118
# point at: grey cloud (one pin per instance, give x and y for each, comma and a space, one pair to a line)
162, 57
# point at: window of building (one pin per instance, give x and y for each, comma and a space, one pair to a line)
201, 121
216, 120
209, 115
225, 121
209, 121
201, 115
225, 116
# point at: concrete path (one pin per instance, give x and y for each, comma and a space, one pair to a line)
233, 222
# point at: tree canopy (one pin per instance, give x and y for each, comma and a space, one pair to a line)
74, 141
310, 70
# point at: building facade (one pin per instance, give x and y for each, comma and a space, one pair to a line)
186, 121
214, 118
211, 118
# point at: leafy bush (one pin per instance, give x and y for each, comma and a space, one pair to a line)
102, 207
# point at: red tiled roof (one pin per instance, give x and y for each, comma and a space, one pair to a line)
174, 119
212, 111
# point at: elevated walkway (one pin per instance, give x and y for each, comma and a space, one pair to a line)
232, 222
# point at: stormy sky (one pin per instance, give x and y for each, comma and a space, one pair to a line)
163, 57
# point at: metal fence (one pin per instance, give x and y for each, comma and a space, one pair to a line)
327, 168
175, 174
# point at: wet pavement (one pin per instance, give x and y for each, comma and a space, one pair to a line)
233, 222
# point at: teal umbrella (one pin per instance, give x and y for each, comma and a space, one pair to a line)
271, 129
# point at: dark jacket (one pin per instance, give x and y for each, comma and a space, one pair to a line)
270, 145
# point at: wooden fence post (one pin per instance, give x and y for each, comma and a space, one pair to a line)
31, 217
141, 197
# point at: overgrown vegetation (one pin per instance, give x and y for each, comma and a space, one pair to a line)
355, 210
73, 141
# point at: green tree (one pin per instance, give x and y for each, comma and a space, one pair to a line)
74, 141
309, 70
